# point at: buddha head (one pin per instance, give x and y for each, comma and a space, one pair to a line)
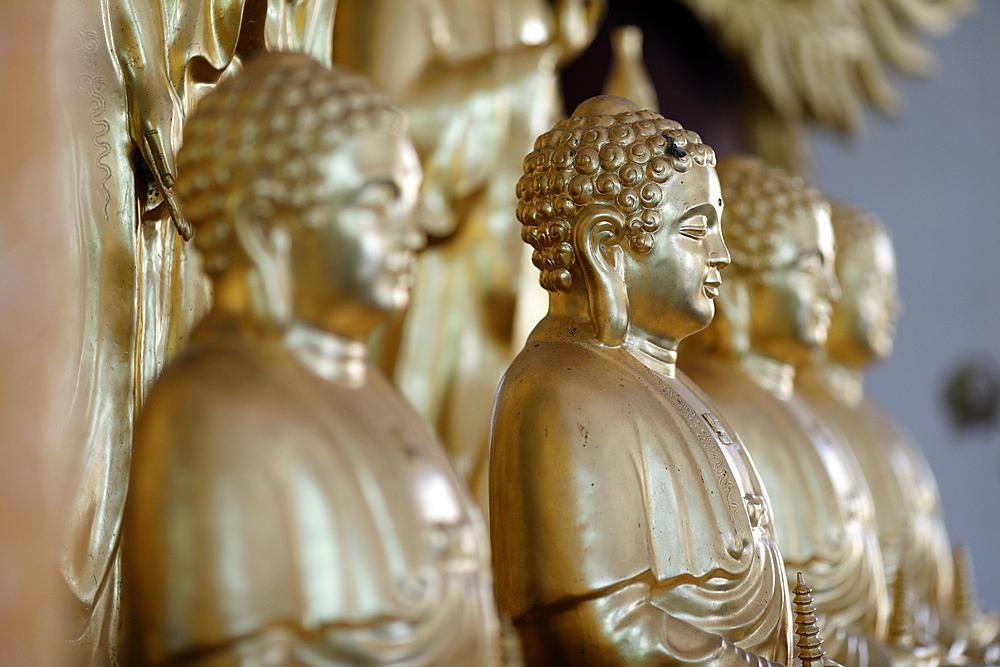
623, 208
300, 183
864, 319
779, 300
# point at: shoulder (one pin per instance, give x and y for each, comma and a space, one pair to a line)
552, 380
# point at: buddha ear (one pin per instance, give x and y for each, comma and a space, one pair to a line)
268, 248
598, 233
733, 316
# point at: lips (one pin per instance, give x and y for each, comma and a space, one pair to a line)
711, 289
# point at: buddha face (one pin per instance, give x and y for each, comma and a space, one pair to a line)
671, 288
353, 270
864, 318
791, 305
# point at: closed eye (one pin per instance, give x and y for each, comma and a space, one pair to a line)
695, 227
810, 263
379, 196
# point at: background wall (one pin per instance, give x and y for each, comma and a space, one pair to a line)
934, 178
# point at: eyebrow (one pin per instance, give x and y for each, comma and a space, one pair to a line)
703, 209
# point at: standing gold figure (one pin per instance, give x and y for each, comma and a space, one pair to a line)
629, 526
773, 313
478, 80
141, 65
286, 505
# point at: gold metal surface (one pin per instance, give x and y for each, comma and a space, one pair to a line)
907, 504
477, 80
287, 506
142, 65
628, 76
774, 311
906, 501
624, 531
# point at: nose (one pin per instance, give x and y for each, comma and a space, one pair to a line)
412, 230
413, 238
718, 255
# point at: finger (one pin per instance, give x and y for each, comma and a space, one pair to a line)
182, 225
161, 170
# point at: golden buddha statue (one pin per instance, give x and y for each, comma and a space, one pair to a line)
479, 81
629, 525
138, 68
287, 506
774, 312
907, 505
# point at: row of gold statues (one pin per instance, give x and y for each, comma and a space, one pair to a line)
683, 438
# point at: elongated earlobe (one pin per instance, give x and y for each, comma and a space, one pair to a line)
270, 273
733, 315
599, 230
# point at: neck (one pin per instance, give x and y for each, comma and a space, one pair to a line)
775, 376
331, 357
846, 383
657, 354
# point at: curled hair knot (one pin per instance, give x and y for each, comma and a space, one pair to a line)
631, 175
612, 157
565, 207
622, 135
620, 161
628, 201
650, 195
586, 161
581, 189
607, 185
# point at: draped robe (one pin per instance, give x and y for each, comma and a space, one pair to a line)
622, 528
824, 514
267, 499
906, 501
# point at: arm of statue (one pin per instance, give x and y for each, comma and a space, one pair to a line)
576, 23
622, 627
154, 110
306, 26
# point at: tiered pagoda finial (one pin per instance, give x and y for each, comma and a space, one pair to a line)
809, 643
901, 623
963, 592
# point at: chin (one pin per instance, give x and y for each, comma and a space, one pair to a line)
392, 298
701, 316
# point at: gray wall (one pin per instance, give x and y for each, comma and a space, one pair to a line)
934, 178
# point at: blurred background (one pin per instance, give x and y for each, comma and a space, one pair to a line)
934, 178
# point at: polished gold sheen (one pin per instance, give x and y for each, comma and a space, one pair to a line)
138, 68
912, 534
477, 79
774, 311
629, 525
287, 506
